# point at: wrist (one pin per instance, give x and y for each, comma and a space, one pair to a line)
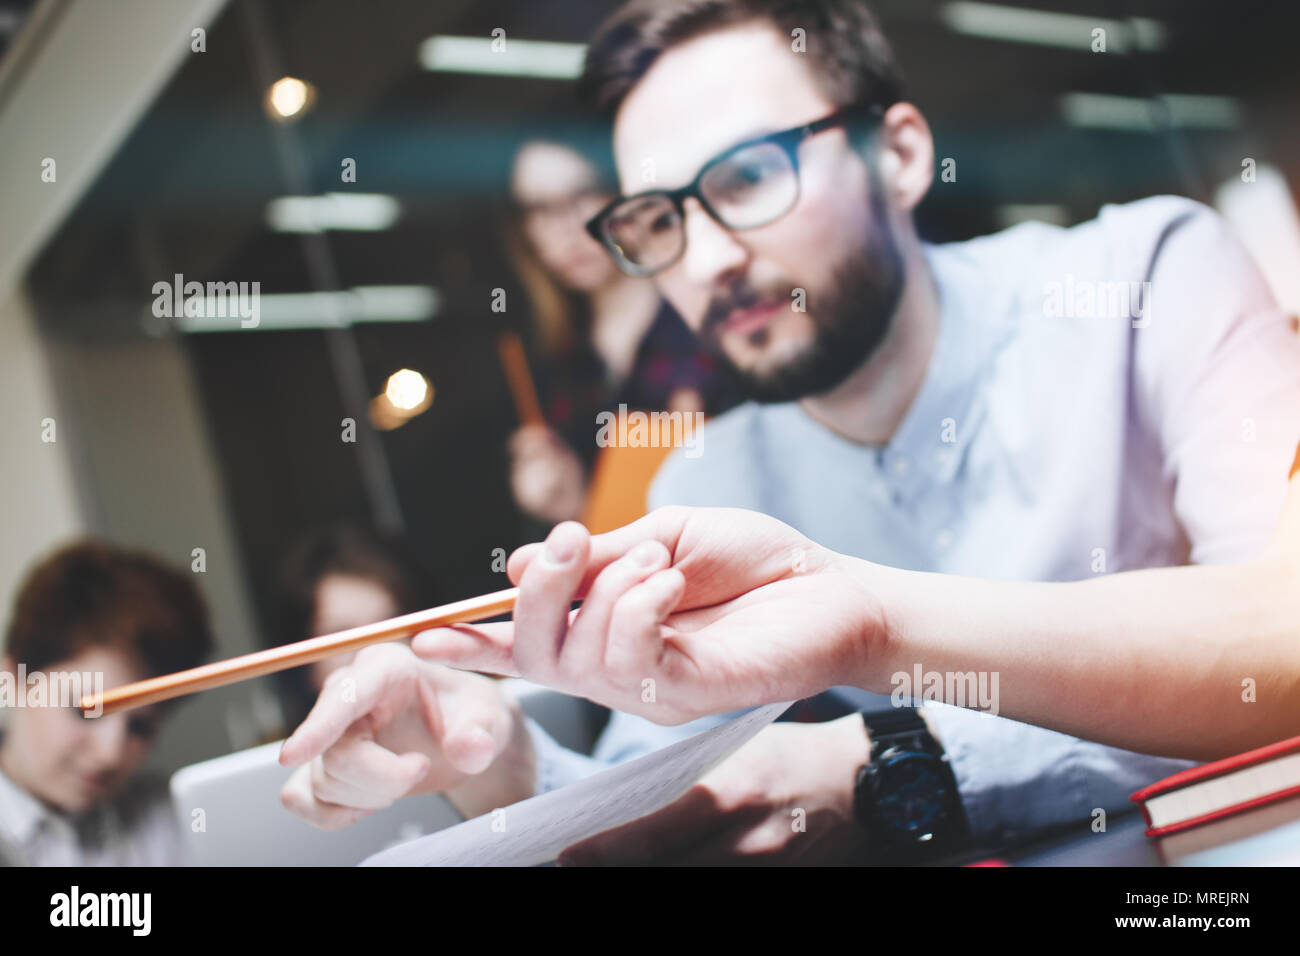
850, 748
879, 631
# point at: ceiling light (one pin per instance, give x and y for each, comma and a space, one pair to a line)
366, 212
1140, 114
321, 310
407, 394
288, 97
504, 57
407, 389
992, 21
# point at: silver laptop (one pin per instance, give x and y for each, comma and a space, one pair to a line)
244, 824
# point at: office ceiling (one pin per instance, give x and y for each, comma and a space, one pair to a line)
187, 191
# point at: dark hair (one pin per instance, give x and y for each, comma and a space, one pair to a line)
342, 549
90, 594
339, 549
854, 61
560, 317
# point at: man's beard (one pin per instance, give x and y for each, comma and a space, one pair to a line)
850, 318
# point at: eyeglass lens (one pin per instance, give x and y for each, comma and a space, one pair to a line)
751, 187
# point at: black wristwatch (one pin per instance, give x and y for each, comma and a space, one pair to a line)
906, 796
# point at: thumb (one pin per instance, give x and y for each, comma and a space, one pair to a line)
663, 525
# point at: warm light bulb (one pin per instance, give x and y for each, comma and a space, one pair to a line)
288, 96
407, 389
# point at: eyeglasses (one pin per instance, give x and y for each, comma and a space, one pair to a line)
752, 184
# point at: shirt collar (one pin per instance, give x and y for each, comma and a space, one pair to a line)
932, 439
21, 814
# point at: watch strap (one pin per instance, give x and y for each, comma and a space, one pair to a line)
906, 726
881, 724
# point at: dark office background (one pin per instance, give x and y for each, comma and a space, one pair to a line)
187, 192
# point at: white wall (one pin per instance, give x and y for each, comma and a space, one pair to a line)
149, 478
38, 497
78, 77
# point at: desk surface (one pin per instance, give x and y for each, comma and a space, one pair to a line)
1122, 844
1269, 835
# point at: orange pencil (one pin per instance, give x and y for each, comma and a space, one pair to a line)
293, 655
520, 379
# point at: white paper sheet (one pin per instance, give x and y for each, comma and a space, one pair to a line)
534, 831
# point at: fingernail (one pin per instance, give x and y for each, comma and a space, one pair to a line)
646, 553
427, 642
561, 545
476, 750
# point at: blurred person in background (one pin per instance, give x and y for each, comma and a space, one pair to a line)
334, 579
603, 338
70, 791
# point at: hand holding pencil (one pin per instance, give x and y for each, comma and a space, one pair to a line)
685, 612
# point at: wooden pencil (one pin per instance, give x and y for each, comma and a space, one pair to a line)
294, 655
522, 390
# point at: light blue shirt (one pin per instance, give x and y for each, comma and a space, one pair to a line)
1117, 395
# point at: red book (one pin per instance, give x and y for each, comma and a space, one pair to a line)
1222, 788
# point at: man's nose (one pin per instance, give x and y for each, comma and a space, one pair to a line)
713, 256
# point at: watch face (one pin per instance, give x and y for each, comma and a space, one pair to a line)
912, 797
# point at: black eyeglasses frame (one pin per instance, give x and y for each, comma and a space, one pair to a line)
789, 140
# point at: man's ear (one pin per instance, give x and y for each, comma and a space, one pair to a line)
7, 665
906, 155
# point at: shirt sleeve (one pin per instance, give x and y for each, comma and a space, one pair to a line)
1016, 779
1216, 368
1217, 373
557, 765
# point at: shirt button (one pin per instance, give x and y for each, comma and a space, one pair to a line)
901, 465
943, 540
